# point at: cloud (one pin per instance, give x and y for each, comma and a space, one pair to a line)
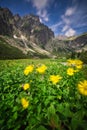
41, 8
70, 32
70, 11
65, 19
40, 4
43, 15
55, 26
65, 28
73, 19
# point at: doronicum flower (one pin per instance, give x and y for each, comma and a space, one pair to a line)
82, 87
55, 78
41, 69
24, 103
26, 86
79, 66
28, 69
71, 62
76, 63
70, 71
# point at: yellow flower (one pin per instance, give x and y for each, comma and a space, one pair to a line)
71, 62
41, 69
28, 69
82, 87
26, 86
24, 103
55, 78
76, 63
79, 66
70, 71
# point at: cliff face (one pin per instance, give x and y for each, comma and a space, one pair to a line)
28, 26
68, 46
35, 39
25, 33
6, 17
35, 31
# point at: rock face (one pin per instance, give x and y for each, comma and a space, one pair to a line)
6, 17
80, 41
34, 30
25, 33
28, 25
35, 39
68, 46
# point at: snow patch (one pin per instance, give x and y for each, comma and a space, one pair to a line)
15, 36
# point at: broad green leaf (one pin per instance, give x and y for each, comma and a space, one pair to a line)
15, 115
77, 119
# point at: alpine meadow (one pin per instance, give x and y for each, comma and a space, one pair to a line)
43, 65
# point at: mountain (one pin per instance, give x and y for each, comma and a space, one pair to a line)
79, 43
6, 18
70, 47
26, 33
27, 37
61, 37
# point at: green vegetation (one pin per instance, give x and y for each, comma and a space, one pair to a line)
9, 52
43, 97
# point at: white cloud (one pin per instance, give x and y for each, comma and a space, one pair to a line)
65, 28
70, 11
41, 7
70, 32
65, 19
68, 21
40, 4
43, 15
55, 26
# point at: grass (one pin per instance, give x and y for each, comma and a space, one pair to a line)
9, 52
35, 101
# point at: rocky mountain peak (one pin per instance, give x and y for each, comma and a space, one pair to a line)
5, 12
28, 25
31, 16
17, 17
6, 18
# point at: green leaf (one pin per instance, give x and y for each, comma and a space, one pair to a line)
15, 115
15, 109
51, 111
55, 121
77, 119
41, 128
64, 110
53, 118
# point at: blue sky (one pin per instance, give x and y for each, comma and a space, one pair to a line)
64, 17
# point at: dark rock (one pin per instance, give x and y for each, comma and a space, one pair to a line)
6, 27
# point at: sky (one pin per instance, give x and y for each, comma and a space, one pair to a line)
64, 17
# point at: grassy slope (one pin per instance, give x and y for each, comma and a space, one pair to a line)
9, 52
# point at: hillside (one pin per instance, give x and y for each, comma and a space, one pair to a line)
9, 52
25, 33
27, 37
